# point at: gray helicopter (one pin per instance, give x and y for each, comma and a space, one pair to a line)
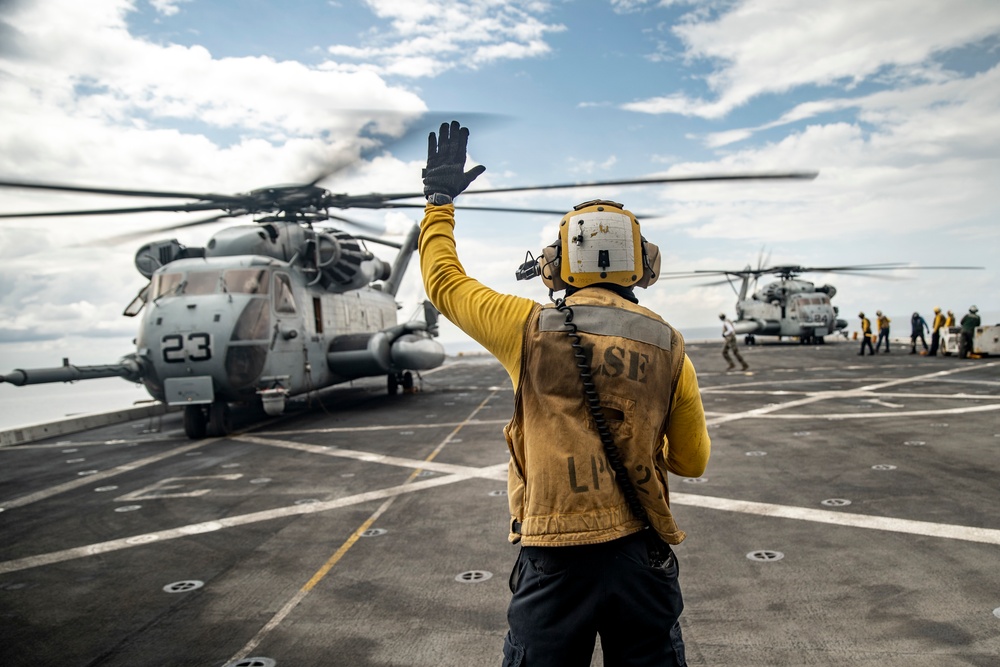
278, 308
790, 307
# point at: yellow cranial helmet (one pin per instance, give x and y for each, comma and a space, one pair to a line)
599, 242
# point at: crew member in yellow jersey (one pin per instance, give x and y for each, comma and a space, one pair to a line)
866, 335
595, 556
939, 321
883, 331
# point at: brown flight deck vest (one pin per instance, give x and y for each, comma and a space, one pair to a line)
560, 488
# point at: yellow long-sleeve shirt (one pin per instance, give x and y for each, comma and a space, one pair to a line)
496, 321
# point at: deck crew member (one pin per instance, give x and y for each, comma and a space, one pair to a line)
729, 338
918, 325
866, 335
588, 565
939, 321
883, 331
969, 324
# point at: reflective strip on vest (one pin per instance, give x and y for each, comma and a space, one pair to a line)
602, 321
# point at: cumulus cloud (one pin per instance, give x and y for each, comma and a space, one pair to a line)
773, 46
167, 7
426, 38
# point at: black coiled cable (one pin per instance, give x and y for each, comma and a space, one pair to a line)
590, 395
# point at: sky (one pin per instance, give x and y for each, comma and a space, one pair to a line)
894, 102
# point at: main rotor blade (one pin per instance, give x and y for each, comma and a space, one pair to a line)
792, 175
680, 275
113, 191
367, 226
502, 209
375, 239
789, 271
898, 266
178, 208
804, 175
143, 233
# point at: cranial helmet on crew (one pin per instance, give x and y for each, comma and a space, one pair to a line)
599, 242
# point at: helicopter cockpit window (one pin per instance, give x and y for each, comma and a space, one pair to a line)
245, 281
202, 282
167, 284
284, 301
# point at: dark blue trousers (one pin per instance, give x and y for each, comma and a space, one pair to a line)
563, 597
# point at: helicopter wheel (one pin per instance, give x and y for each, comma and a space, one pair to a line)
407, 382
392, 384
219, 419
195, 422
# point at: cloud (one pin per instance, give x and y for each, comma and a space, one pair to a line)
82, 59
429, 37
774, 46
167, 7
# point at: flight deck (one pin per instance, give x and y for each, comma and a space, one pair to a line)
848, 516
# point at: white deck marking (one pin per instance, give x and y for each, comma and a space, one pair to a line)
227, 522
446, 468
455, 473
948, 531
339, 553
390, 427
868, 414
304, 591
862, 392
104, 474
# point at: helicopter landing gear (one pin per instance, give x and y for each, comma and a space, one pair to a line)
219, 419
750, 340
394, 380
195, 422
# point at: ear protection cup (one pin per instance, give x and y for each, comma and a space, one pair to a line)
650, 264
548, 268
